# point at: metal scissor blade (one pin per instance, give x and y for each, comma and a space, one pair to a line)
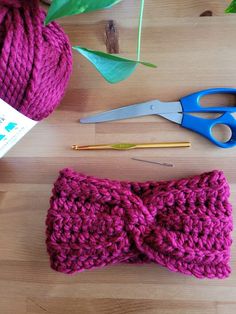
133, 111
174, 117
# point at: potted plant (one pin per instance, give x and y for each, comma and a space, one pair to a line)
113, 68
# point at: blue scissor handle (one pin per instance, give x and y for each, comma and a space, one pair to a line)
204, 127
191, 103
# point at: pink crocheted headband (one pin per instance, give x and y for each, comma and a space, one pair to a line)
184, 225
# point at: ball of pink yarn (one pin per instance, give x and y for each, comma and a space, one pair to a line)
35, 60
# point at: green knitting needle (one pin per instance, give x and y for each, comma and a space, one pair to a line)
127, 146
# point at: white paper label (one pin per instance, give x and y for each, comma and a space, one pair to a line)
13, 126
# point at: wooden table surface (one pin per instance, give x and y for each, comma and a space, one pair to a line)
192, 53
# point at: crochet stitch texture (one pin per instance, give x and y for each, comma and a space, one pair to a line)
35, 60
184, 225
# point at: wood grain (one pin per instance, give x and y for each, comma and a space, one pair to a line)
192, 52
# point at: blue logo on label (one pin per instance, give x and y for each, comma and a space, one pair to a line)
2, 136
11, 126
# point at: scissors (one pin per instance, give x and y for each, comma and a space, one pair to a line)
180, 113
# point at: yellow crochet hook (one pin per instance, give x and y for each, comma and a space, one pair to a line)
127, 146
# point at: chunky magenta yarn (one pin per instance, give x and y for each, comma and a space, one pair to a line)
35, 60
184, 225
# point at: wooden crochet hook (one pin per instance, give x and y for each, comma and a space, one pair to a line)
127, 146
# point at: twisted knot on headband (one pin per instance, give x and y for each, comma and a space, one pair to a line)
184, 225
35, 60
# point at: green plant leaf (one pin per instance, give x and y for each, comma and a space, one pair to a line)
62, 8
113, 68
231, 8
